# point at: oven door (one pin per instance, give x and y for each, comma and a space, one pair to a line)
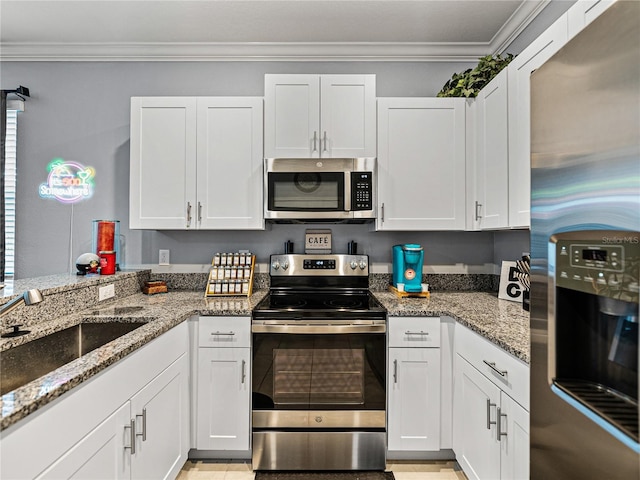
319, 395
319, 374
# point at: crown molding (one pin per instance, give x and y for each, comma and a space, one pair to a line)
275, 51
195, 52
521, 18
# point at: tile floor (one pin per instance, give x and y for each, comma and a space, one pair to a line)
405, 470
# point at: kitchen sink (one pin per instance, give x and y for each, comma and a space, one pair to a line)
26, 362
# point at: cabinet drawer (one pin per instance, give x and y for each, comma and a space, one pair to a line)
224, 332
510, 374
414, 332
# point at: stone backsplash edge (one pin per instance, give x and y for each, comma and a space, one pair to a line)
66, 299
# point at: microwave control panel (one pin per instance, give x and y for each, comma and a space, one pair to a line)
362, 191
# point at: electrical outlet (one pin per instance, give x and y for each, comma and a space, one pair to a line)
108, 291
164, 257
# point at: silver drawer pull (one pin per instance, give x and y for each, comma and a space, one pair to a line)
144, 425
395, 371
499, 432
132, 436
492, 366
416, 333
224, 333
489, 422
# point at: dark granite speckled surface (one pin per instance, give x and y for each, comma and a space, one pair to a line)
502, 322
161, 312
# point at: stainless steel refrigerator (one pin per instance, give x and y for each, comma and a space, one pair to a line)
585, 253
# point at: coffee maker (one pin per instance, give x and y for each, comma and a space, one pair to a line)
407, 267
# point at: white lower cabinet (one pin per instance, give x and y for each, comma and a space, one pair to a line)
224, 384
414, 384
491, 429
514, 454
154, 420
161, 414
101, 454
129, 422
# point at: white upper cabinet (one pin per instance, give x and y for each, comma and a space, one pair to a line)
229, 179
421, 164
163, 162
583, 12
519, 73
196, 163
312, 116
491, 199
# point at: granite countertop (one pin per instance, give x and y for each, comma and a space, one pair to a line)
502, 322
160, 312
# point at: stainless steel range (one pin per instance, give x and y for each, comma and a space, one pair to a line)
319, 367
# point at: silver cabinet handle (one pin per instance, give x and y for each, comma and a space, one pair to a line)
231, 333
243, 372
144, 425
492, 366
478, 216
382, 213
315, 141
499, 432
395, 371
188, 214
489, 422
132, 436
416, 333
199, 212
325, 142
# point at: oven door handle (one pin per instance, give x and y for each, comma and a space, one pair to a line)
317, 328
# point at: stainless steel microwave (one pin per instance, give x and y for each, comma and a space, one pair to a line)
326, 189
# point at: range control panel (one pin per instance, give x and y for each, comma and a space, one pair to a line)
361, 191
325, 264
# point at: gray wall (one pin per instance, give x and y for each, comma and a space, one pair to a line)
80, 111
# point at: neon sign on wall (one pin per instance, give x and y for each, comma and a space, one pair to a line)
68, 182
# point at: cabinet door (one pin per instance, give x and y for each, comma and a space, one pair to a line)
492, 155
583, 12
229, 168
421, 164
292, 116
348, 116
102, 454
161, 411
475, 442
414, 399
223, 399
163, 162
514, 424
519, 73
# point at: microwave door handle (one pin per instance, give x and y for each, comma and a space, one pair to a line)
347, 191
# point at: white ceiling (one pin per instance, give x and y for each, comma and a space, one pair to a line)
260, 29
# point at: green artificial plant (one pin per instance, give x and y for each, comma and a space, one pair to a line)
471, 81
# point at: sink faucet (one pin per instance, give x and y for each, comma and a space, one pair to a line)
30, 297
